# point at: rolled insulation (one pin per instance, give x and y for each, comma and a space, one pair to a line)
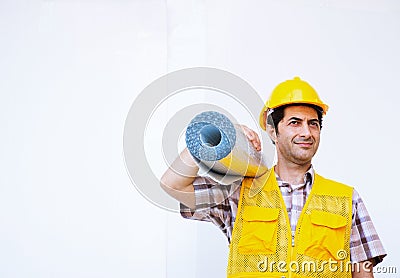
221, 149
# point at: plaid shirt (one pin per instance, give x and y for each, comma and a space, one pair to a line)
218, 204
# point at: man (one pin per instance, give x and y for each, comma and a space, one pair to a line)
299, 224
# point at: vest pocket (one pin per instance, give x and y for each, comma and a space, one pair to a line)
259, 230
322, 235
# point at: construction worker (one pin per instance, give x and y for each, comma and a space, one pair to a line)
299, 224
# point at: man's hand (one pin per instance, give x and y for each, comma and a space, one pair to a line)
252, 136
363, 270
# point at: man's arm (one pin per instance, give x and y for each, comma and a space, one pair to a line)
365, 245
363, 270
177, 181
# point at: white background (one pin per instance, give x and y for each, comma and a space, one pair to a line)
70, 69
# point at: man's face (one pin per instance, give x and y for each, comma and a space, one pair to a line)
298, 135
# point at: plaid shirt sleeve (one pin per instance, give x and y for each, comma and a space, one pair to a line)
215, 203
364, 240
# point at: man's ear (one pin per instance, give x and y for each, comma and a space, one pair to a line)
271, 132
269, 128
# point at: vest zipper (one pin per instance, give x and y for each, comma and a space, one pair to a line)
291, 254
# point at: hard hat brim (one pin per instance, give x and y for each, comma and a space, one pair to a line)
262, 118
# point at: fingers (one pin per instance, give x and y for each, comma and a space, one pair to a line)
252, 136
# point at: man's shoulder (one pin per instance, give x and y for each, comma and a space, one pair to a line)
333, 185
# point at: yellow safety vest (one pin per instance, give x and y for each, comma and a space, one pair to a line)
262, 244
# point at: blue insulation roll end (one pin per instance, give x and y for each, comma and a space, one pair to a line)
210, 136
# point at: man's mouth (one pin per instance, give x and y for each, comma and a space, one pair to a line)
304, 144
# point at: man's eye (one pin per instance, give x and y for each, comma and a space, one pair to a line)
294, 122
314, 124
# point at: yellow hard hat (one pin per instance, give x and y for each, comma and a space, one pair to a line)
292, 91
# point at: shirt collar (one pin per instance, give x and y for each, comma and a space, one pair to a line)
308, 180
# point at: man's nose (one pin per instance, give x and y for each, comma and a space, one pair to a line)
305, 130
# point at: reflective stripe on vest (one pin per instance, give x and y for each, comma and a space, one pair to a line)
262, 244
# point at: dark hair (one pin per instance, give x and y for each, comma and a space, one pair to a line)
277, 115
